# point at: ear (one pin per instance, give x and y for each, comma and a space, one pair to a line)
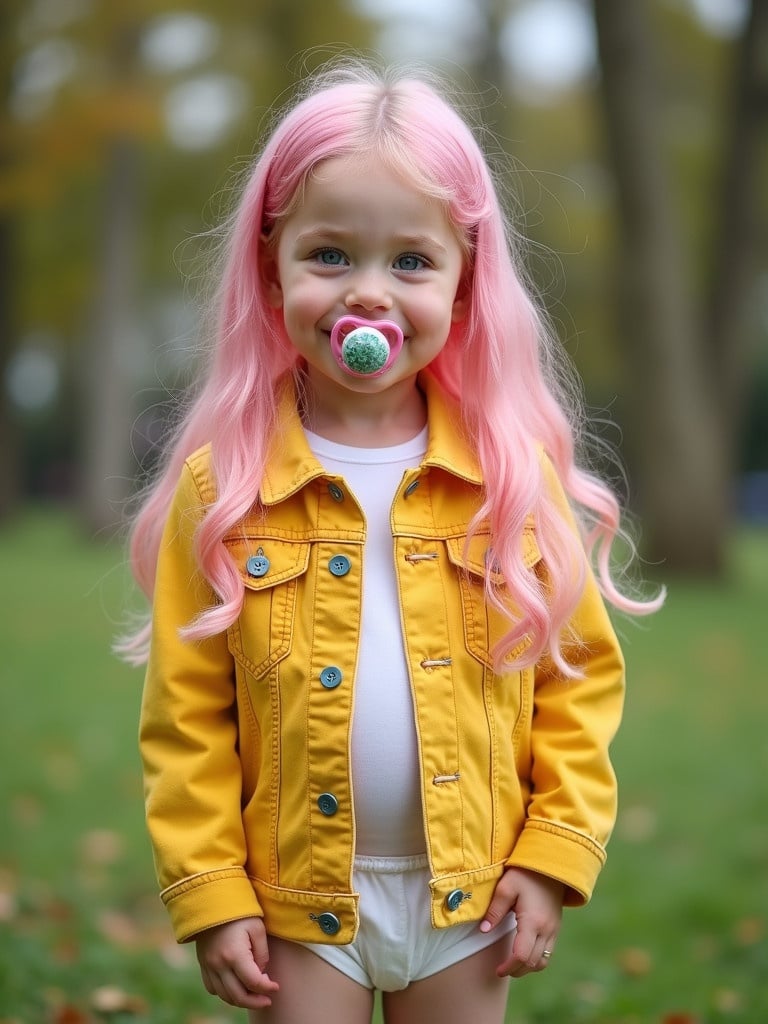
462, 299
268, 272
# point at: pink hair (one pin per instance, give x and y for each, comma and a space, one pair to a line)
502, 363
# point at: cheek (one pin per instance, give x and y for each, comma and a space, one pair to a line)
304, 301
434, 311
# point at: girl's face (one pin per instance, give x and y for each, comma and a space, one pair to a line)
366, 243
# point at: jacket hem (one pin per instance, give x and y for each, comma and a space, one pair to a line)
208, 899
562, 853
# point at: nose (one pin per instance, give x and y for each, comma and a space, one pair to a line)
369, 290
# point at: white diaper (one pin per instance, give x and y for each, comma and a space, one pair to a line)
396, 943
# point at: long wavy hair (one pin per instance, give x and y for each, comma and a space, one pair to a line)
502, 364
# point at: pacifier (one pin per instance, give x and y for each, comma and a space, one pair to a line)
365, 348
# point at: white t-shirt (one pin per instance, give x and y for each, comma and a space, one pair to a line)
389, 818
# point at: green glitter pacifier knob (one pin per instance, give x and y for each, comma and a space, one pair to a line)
365, 348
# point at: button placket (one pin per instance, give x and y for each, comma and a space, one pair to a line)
337, 591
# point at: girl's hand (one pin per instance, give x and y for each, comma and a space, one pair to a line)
537, 901
233, 961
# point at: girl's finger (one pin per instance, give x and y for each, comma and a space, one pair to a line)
546, 954
236, 994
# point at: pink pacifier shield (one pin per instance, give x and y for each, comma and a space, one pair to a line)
365, 348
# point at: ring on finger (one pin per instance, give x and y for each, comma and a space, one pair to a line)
546, 953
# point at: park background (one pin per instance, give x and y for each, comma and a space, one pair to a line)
632, 140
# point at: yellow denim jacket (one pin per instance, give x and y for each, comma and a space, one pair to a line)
245, 736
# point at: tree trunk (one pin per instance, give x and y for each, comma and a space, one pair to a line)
107, 378
732, 305
680, 459
489, 68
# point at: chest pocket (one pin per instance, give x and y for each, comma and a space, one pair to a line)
271, 571
484, 624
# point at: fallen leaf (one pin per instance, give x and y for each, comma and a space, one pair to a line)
101, 847
680, 1018
749, 931
9, 886
66, 950
9, 882
69, 1015
8, 907
728, 1001
110, 999
57, 909
119, 929
635, 962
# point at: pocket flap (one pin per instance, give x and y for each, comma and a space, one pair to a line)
265, 562
474, 556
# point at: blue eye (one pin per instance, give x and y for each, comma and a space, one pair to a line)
330, 258
410, 261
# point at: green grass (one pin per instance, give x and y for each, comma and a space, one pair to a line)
677, 928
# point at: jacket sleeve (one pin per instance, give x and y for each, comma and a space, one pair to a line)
188, 741
572, 806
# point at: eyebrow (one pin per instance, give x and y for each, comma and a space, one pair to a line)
401, 241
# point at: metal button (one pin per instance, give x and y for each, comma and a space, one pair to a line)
329, 923
336, 492
328, 804
258, 564
331, 676
411, 488
339, 565
455, 898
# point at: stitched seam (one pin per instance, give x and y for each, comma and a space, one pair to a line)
192, 882
453, 693
567, 832
312, 656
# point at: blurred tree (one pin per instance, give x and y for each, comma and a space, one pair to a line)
101, 185
686, 347
9, 470
107, 387
487, 65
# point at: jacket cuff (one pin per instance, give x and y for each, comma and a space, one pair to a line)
209, 899
562, 853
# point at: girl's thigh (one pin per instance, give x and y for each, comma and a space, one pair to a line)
311, 990
468, 992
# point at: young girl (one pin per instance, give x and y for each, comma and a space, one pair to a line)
382, 682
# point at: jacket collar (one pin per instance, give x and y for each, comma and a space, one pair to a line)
291, 464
